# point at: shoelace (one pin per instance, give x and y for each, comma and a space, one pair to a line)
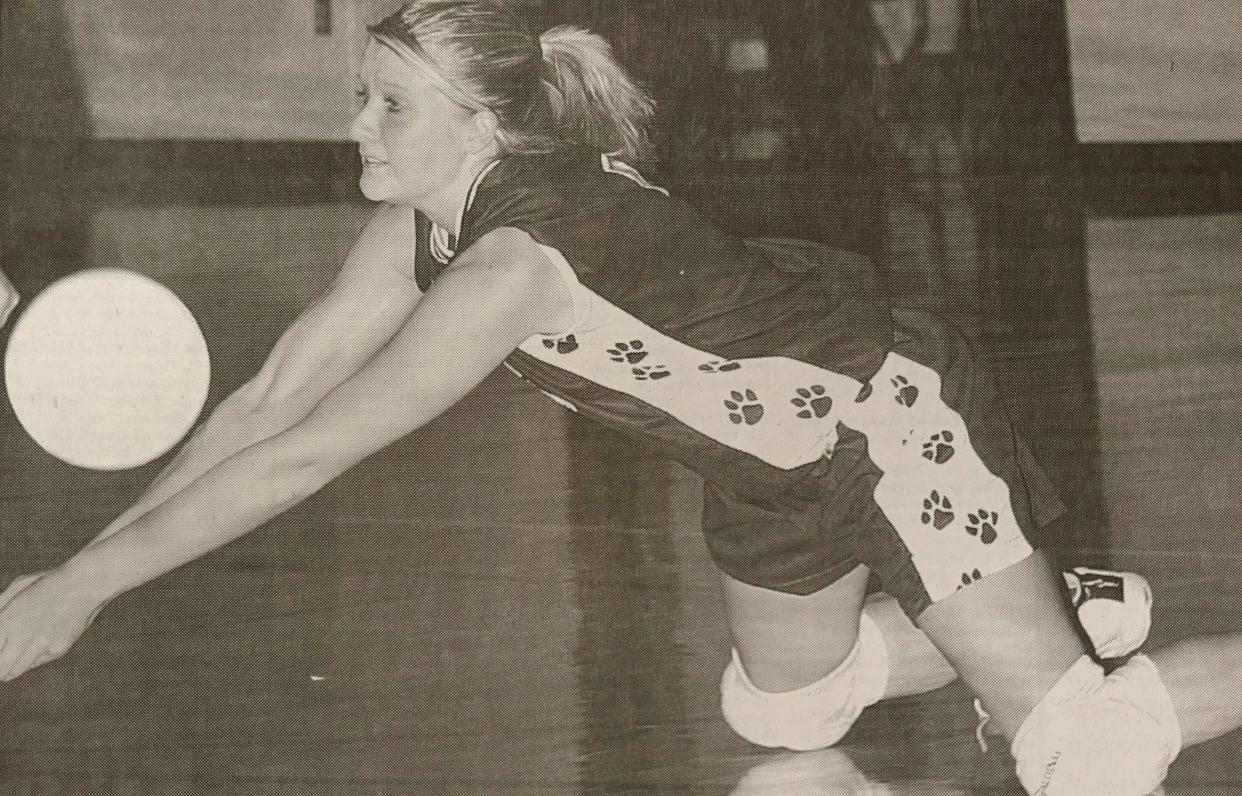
984, 718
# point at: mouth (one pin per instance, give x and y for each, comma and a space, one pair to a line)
368, 160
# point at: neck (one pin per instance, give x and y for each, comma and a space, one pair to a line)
445, 206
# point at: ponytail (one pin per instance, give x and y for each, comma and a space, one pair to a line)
595, 104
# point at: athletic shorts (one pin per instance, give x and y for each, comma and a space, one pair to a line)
928, 485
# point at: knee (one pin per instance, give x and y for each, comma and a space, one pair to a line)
813, 717
1108, 736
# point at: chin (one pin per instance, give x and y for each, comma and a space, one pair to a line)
374, 191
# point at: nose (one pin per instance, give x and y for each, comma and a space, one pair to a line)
363, 128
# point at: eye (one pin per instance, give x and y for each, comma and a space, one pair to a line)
392, 105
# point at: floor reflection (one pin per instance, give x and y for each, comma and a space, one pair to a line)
628, 653
828, 772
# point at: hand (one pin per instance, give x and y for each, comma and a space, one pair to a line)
8, 298
40, 619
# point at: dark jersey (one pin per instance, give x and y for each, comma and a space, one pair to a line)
732, 356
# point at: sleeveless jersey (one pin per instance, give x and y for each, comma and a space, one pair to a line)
734, 357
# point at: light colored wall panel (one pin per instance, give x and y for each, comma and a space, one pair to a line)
230, 69
1156, 70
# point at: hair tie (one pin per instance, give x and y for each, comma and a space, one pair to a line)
546, 41
555, 96
548, 66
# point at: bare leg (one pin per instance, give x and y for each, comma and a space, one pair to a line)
788, 641
1009, 637
1204, 678
915, 666
1200, 673
1117, 625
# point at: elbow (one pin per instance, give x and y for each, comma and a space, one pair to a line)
293, 474
286, 458
303, 477
247, 414
239, 408
285, 484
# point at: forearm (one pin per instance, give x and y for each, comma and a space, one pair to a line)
236, 424
231, 499
460, 332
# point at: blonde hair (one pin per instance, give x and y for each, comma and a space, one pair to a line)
561, 89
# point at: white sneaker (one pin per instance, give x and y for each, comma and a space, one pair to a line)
1113, 607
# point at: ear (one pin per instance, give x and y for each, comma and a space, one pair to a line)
481, 132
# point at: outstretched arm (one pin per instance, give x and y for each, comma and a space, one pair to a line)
367, 302
8, 297
500, 292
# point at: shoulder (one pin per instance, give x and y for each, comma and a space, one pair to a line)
509, 251
512, 263
387, 240
389, 222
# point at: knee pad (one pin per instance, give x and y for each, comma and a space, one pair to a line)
1113, 607
1105, 736
813, 717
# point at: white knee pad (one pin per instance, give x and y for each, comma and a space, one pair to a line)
1104, 736
813, 717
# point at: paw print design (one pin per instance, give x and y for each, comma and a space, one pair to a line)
907, 393
720, 366
983, 524
631, 352
565, 345
650, 373
864, 393
744, 407
813, 401
937, 510
939, 448
970, 577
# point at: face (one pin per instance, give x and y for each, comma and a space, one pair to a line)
412, 139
